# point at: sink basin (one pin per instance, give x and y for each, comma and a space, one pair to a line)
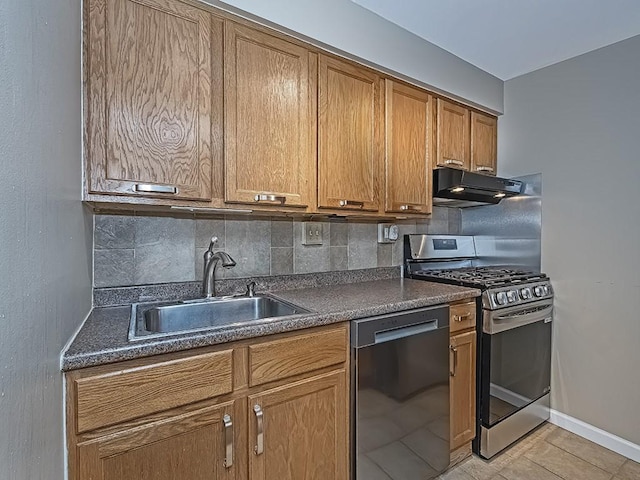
159, 320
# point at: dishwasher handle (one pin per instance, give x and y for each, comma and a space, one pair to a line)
398, 333
393, 326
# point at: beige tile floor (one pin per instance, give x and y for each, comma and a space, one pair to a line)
548, 453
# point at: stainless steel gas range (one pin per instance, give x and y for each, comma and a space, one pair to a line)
514, 336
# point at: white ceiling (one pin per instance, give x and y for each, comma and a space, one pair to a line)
508, 38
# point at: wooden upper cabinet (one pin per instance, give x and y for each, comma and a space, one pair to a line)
186, 447
453, 136
349, 136
409, 149
484, 143
300, 431
270, 118
151, 65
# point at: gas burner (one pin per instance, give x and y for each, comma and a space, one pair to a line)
487, 277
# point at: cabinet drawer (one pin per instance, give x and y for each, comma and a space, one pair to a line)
462, 316
112, 397
279, 359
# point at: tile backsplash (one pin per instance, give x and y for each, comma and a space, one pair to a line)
140, 250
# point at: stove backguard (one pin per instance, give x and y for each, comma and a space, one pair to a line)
508, 233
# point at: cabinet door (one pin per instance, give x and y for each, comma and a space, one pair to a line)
453, 136
304, 428
270, 112
350, 122
149, 98
484, 143
187, 447
408, 138
462, 389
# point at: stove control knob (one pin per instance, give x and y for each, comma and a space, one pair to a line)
501, 298
538, 291
547, 289
525, 293
512, 296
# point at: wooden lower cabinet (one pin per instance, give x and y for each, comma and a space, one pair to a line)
462, 387
298, 432
302, 413
189, 446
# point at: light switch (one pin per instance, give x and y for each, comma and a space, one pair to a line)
312, 233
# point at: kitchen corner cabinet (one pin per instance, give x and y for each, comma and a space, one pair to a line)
349, 136
462, 384
152, 94
274, 407
270, 119
409, 143
484, 143
453, 145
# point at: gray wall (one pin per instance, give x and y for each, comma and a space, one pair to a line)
139, 250
577, 123
45, 237
346, 26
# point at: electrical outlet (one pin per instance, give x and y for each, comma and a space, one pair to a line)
312, 233
387, 233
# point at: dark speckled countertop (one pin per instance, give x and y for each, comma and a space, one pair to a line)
103, 337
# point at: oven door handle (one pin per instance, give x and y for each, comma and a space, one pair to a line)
506, 322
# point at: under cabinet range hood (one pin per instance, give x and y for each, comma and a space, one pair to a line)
456, 188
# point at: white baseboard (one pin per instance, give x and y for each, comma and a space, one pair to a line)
596, 435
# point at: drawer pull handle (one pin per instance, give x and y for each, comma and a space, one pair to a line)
484, 169
351, 203
259, 447
454, 366
453, 161
460, 318
149, 188
264, 197
228, 441
412, 208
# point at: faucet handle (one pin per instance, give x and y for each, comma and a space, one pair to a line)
213, 243
251, 289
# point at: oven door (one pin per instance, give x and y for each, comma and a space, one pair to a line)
516, 359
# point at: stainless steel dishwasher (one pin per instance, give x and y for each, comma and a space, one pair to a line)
400, 395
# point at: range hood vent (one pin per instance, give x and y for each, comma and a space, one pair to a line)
457, 188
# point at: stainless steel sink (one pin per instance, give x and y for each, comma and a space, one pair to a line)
161, 320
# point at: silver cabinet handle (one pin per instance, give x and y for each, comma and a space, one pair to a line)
484, 169
351, 203
259, 447
149, 188
453, 161
454, 367
228, 441
412, 208
264, 197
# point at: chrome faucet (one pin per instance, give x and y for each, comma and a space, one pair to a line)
211, 260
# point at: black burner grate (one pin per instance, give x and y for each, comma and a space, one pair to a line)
483, 276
